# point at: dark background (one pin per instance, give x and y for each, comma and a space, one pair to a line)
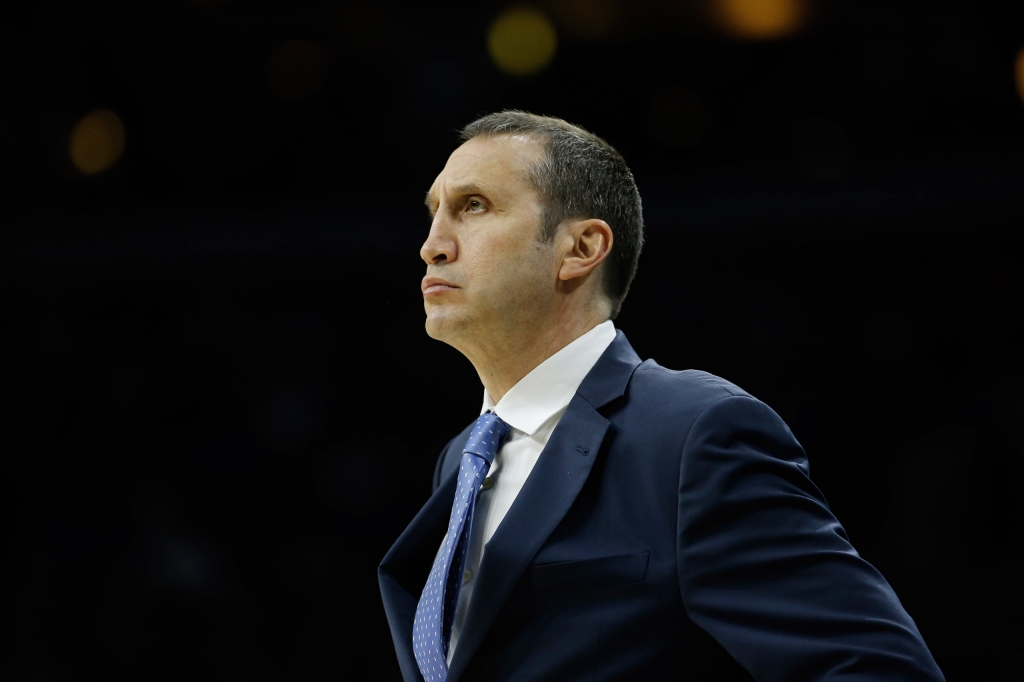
203, 344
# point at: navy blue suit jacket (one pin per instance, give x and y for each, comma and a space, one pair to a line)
668, 531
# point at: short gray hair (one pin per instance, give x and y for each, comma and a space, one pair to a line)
581, 176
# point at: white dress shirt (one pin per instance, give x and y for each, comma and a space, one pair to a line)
533, 408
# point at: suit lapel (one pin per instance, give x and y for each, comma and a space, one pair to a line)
405, 567
547, 495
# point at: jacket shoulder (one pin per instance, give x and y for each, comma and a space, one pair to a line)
665, 404
699, 387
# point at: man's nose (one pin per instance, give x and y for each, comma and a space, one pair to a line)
440, 246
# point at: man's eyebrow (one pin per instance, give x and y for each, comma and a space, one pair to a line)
467, 188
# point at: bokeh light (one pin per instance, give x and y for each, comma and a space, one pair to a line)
588, 19
296, 69
97, 142
1019, 70
760, 19
522, 41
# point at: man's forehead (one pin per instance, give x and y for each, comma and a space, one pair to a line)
485, 161
498, 149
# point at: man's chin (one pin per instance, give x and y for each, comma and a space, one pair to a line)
441, 324
432, 329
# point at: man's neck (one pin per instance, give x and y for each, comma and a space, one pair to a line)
503, 365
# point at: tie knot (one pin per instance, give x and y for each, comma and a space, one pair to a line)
488, 432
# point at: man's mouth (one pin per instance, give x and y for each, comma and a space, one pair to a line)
436, 285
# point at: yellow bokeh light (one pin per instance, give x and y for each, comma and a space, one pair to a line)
1019, 69
522, 41
760, 19
97, 142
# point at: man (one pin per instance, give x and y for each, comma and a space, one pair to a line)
607, 518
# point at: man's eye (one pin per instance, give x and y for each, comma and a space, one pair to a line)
474, 206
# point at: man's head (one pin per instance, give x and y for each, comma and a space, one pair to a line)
532, 217
579, 176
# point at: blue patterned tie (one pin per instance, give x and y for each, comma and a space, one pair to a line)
432, 626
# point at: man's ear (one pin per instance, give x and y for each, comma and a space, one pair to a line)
591, 243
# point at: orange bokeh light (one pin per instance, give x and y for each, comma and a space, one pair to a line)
588, 19
760, 19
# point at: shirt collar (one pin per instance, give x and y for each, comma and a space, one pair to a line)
550, 386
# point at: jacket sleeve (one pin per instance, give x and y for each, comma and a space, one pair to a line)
766, 569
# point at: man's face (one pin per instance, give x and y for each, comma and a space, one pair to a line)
487, 273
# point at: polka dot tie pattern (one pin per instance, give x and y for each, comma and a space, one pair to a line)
432, 625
